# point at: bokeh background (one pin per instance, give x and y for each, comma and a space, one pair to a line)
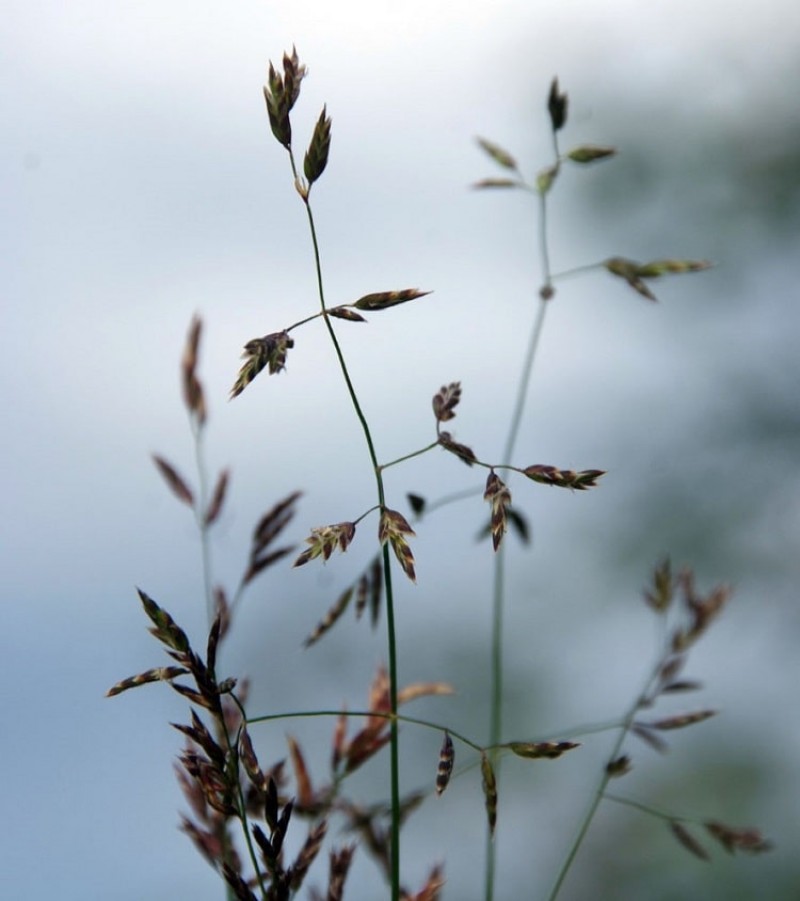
141, 184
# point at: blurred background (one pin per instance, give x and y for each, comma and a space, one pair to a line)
142, 185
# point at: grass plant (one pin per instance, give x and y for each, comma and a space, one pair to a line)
243, 808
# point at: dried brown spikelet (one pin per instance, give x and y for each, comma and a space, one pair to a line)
446, 400
158, 674
657, 268
305, 793
430, 891
212, 645
588, 153
275, 520
339, 867
211, 780
460, 450
643, 732
166, 630
218, 498
498, 154
192, 389
382, 300
496, 183
270, 350
634, 272
293, 73
629, 270
423, 690
489, 791
659, 597
376, 590
199, 734
323, 540
207, 843
563, 478
393, 527
557, 106
445, 767
238, 885
316, 157
546, 177
307, 854
331, 616
681, 685
247, 755
365, 744
281, 93
688, 841
362, 593
519, 524
195, 697
344, 312
339, 740
498, 495
176, 483
619, 766
733, 839
537, 749
702, 610
682, 720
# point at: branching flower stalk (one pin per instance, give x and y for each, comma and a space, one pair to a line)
223, 781
280, 96
696, 613
557, 108
633, 273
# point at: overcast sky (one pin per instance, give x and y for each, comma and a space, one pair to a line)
141, 185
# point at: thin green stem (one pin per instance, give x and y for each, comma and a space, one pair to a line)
576, 270
233, 752
416, 453
200, 508
498, 586
400, 718
304, 321
394, 752
652, 811
605, 776
525, 379
544, 251
453, 498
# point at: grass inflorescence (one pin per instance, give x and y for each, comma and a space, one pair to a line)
243, 808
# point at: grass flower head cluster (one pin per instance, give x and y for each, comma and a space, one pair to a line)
246, 811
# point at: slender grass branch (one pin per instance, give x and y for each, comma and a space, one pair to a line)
652, 811
241, 803
400, 718
394, 752
416, 453
576, 270
498, 582
200, 508
605, 777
